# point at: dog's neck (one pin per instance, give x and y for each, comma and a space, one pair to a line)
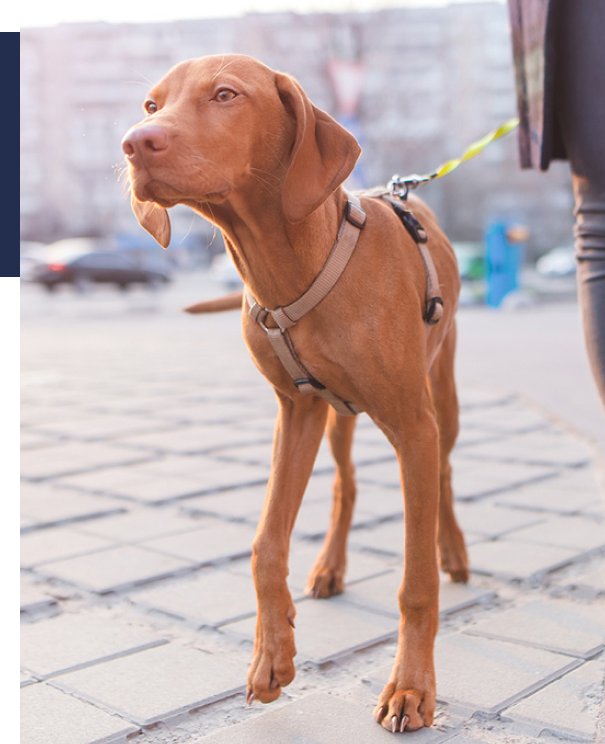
277, 260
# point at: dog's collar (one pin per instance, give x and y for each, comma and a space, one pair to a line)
353, 222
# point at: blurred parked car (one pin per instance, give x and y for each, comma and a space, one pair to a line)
72, 262
27, 267
27, 258
559, 261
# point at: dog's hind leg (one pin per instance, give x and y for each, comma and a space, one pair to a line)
452, 551
327, 575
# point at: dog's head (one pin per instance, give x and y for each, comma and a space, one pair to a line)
223, 125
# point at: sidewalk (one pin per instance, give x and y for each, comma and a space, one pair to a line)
146, 449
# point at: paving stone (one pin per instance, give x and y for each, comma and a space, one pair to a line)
315, 719
381, 502
570, 491
386, 537
26, 679
379, 594
55, 543
196, 466
512, 418
209, 472
487, 400
221, 412
240, 503
585, 479
140, 524
33, 596
555, 624
34, 414
329, 629
170, 478
45, 505
157, 489
49, 716
454, 597
114, 569
592, 581
104, 481
577, 533
216, 541
313, 518
518, 560
382, 473
488, 676
211, 597
254, 453
31, 439
359, 565
302, 558
371, 451
190, 439
160, 683
73, 457
544, 497
567, 707
73, 641
474, 478
492, 521
101, 426
536, 447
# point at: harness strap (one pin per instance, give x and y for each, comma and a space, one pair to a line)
434, 302
286, 317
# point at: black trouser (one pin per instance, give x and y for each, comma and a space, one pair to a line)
580, 108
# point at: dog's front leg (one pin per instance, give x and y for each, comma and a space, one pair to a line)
298, 431
408, 700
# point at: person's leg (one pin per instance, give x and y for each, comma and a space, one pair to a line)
580, 106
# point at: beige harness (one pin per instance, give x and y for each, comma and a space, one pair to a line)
352, 224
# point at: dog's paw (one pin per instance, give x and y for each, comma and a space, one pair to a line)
405, 709
325, 581
453, 559
272, 664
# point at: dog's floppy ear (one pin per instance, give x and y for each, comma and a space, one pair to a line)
323, 153
153, 218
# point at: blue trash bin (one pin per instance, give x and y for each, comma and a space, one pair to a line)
503, 258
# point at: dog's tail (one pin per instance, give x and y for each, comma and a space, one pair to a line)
228, 302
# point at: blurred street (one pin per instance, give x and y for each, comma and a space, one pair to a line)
145, 454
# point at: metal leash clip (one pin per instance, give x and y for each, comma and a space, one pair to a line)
400, 187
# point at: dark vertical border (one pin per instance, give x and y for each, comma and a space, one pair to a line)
9, 199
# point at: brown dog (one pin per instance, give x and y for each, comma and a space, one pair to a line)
243, 146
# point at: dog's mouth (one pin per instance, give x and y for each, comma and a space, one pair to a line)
155, 190
147, 188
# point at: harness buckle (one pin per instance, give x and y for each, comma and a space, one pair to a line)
309, 381
260, 317
355, 215
411, 224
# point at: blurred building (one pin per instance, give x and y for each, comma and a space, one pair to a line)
430, 82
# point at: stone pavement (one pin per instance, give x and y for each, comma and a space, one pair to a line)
145, 454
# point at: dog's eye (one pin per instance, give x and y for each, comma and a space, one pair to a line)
224, 95
150, 107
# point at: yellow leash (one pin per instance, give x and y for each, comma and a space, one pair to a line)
400, 186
